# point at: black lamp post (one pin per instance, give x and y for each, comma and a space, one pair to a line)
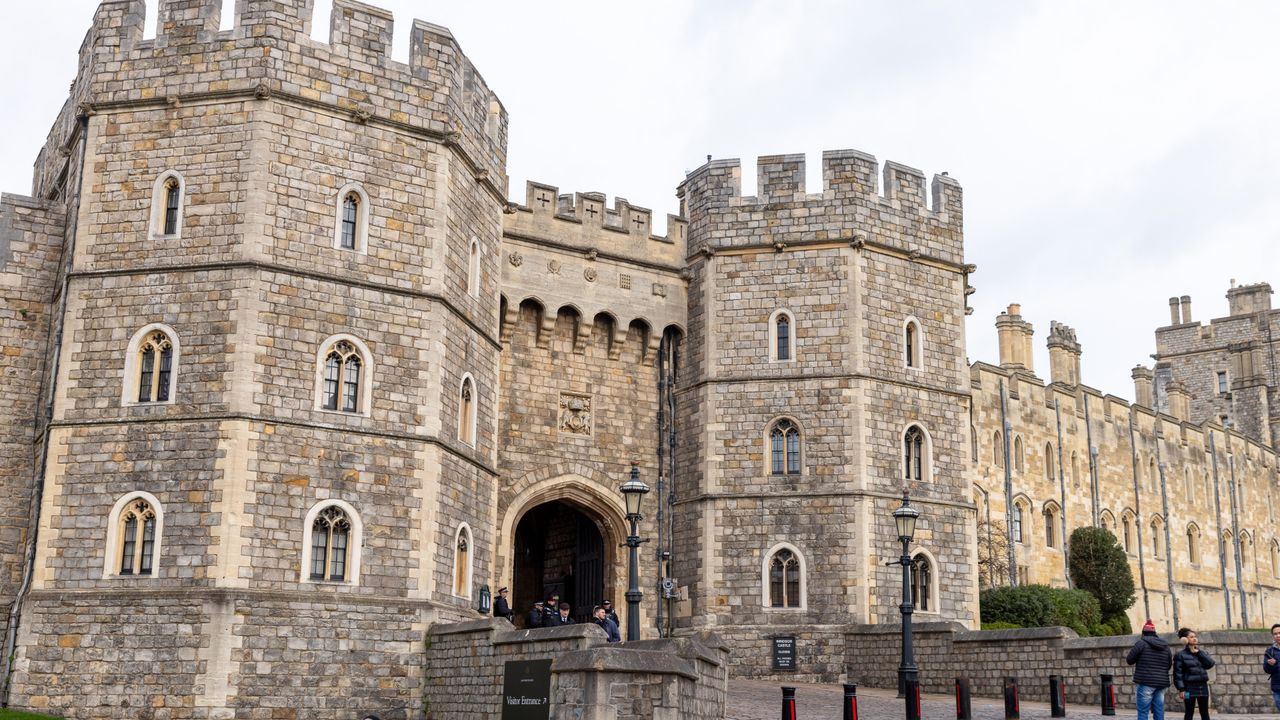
632, 491
908, 674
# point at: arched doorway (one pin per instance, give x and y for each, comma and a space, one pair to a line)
560, 548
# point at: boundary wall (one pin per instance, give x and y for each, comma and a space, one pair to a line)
945, 651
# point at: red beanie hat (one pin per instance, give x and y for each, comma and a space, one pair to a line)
1149, 626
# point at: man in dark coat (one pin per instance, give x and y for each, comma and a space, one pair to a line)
601, 618
608, 611
562, 617
549, 608
537, 616
501, 608
1271, 664
1151, 659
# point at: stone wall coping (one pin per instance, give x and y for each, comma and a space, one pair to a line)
470, 626
621, 659
693, 647
895, 629
587, 631
1040, 633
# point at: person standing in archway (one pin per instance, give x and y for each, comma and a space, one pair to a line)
610, 627
537, 616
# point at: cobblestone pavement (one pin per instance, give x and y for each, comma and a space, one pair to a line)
759, 700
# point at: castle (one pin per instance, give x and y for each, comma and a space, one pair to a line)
291, 378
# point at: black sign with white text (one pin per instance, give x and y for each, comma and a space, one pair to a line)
784, 653
526, 690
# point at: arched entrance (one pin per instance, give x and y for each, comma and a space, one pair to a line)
560, 548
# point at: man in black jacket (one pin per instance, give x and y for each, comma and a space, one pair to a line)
1151, 659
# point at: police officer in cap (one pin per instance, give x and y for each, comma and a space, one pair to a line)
536, 616
500, 606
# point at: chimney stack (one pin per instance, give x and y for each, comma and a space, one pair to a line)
1175, 318
1186, 309
1015, 339
1179, 400
1143, 387
1064, 354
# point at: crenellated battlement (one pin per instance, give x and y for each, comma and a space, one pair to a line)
856, 196
269, 53
583, 221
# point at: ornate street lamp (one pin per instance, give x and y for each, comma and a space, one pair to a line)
908, 674
632, 491
486, 600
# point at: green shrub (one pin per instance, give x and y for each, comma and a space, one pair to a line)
1041, 606
1099, 565
1001, 626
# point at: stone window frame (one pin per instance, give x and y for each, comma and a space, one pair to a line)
115, 536
131, 381
1227, 539
934, 602
468, 414
786, 455
1052, 514
1075, 470
463, 573
364, 209
1021, 517
912, 344
773, 336
1188, 487
973, 443
1107, 521
1158, 551
1193, 544
159, 205
1128, 525
1049, 462
1019, 455
1246, 551
355, 544
1221, 383
766, 596
1275, 558
364, 403
925, 471
997, 449
473, 268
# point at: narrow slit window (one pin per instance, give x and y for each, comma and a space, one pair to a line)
784, 337
172, 194
350, 220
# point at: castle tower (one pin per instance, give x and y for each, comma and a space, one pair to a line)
826, 334
1225, 364
271, 449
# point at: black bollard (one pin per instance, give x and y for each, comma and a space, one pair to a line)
788, 703
850, 701
1011, 699
1108, 694
913, 698
964, 709
1057, 696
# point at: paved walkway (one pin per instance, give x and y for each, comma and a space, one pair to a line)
760, 700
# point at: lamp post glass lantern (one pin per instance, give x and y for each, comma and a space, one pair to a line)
904, 518
632, 491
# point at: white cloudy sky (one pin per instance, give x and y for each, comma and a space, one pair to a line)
1112, 153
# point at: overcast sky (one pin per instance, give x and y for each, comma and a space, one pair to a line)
1112, 153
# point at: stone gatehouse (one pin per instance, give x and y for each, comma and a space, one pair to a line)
293, 375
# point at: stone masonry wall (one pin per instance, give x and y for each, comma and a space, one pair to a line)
647, 680
31, 235
945, 651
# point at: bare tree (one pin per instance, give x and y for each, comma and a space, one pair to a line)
993, 554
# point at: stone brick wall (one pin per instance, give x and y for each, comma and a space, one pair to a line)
1211, 488
852, 267
684, 677
945, 651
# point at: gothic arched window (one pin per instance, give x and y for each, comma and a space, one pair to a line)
351, 226
343, 376
167, 201
137, 538
462, 563
922, 579
467, 411
330, 544
784, 448
155, 368
913, 451
784, 579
